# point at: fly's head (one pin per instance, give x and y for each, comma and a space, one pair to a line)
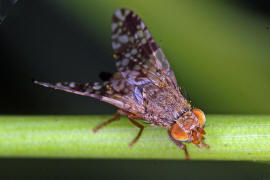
190, 128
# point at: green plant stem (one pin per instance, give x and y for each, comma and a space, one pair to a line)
230, 137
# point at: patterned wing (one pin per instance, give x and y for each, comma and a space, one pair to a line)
139, 58
117, 91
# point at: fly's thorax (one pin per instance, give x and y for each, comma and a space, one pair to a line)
164, 104
190, 127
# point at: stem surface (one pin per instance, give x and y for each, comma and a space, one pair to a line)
231, 137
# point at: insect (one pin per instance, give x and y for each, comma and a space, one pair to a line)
144, 88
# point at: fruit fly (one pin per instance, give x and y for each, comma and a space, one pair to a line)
144, 88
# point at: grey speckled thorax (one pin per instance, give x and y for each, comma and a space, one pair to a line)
163, 105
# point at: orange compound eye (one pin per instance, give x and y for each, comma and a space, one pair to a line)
178, 133
200, 115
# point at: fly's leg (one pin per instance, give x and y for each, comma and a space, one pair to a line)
180, 145
115, 118
140, 132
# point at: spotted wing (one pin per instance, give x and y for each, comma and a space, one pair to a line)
139, 58
117, 91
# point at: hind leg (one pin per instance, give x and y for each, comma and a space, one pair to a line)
115, 118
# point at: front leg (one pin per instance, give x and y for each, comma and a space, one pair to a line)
179, 144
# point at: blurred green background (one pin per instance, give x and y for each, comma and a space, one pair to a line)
219, 51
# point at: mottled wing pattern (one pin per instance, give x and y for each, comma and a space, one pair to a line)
139, 58
116, 91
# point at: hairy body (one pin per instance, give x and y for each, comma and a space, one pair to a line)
144, 87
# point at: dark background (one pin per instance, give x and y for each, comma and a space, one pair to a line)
56, 41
